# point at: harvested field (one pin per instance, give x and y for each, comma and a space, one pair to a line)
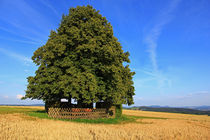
150, 125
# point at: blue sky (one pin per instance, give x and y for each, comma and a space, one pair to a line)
168, 41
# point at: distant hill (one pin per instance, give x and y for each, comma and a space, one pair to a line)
203, 108
197, 111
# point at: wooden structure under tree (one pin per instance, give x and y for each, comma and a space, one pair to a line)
82, 113
64, 109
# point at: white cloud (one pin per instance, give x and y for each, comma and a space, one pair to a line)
5, 97
19, 96
26, 70
138, 98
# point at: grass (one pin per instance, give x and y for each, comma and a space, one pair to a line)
39, 114
123, 119
33, 112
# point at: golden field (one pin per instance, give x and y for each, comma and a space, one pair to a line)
18, 126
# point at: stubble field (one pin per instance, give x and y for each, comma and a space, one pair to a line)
16, 124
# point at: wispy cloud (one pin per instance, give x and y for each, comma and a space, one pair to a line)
153, 35
162, 79
27, 30
47, 4
34, 25
194, 94
197, 98
5, 97
151, 40
30, 13
21, 41
21, 35
16, 56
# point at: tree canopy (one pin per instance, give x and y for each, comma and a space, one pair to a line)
82, 60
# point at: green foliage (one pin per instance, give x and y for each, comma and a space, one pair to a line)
82, 60
118, 111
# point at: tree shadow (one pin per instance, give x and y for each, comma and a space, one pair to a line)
39, 111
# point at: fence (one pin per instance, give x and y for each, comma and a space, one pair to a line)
82, 113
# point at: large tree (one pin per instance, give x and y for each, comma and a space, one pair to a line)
82, 60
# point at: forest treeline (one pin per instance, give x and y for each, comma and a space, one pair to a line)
171, 110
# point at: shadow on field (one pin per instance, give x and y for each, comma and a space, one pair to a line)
40, 111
